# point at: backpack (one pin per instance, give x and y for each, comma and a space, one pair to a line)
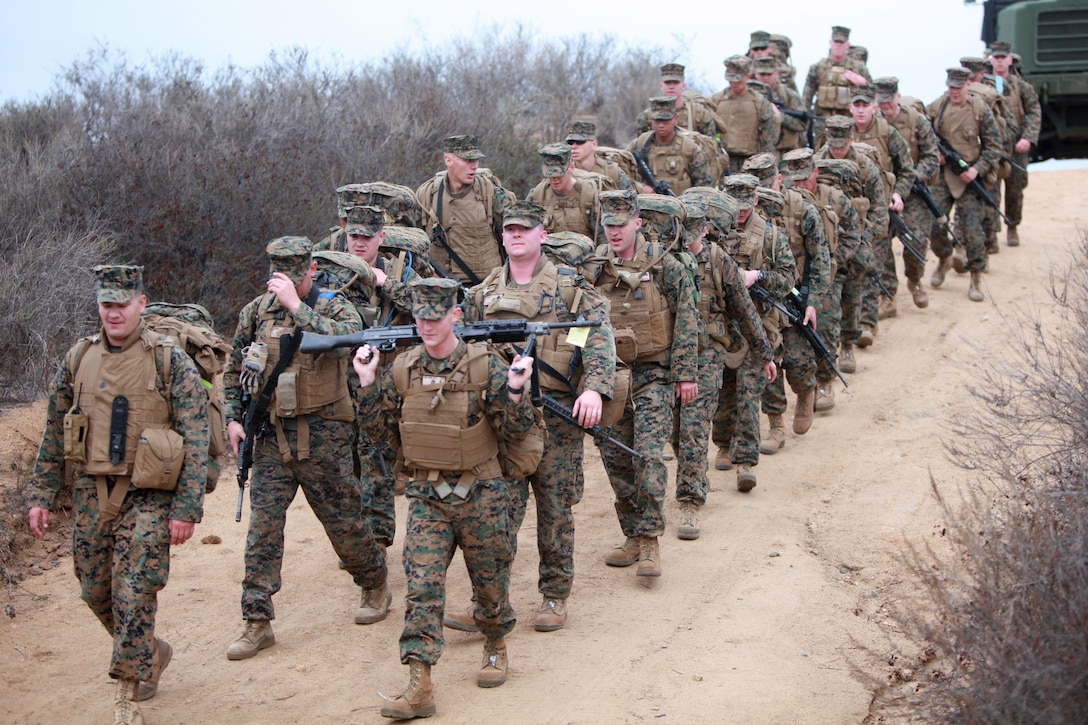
621, 157
568, 249
398, 202
351, 276
412, 247
721, 209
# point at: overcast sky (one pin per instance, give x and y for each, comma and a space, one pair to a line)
38, 40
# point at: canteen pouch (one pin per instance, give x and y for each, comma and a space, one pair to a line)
626, 344
75, 437
159, 455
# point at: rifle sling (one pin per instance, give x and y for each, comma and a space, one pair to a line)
441, 237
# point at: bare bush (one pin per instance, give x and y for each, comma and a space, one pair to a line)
1009, 610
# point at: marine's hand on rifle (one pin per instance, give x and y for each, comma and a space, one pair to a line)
810, 317
647, 189
365, 363
687, 392
771, 371
751, 276
588, 408
969, 175
236, 433
1022, 146
897, 202
520, 372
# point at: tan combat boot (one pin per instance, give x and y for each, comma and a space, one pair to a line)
418, 699
867, 336
886, 308
374, 604
991, 245
975, 292
649, 557
802, 414
959, 260
625, 554
943, 265
258, 636
774, 441
847, 364
463, 621
493, 671
125, 709
688, 530
918, 294
825, 397
161, 654
1012, 238
746, 480
722, 461
551, 616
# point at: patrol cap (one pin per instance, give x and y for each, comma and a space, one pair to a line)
860, 52
862, 93
433, 298
759, 39
797, 164
581, 131
975, 64
364, 220
838, 131
737, 67
118, 282
840, 33
759, 87
467, 147
770, 200
720, 208
1000, 48
766, 64
290, 256
348, 196
742, 187
694, 218
783, 43
840, 169
618, 207
672, 72
957, 77
555, 159
662, 108
885, 88
762, 166
525, 213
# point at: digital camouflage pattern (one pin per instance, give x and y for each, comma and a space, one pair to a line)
681, 161
290, 256
118, 282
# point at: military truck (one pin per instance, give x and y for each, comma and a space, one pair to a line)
1051, 36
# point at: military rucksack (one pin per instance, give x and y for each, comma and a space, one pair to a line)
351, 276
398, 203
721, 209
412, 248
568, 249
621, 157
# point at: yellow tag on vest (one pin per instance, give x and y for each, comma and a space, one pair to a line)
578, 336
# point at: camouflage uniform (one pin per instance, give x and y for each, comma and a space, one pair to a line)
646, 423
312, 450
1023, 100
752, 126
736, 421
574, 210
724, 304
557, 483
471, 218
439, 519
949, 189
123, 562
694, 115
826, 86
681, 162
579, 132
793, 130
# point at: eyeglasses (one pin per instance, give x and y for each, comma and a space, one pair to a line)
574, 142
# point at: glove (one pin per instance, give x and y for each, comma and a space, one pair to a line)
255, 357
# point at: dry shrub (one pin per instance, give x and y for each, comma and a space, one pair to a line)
1008, 610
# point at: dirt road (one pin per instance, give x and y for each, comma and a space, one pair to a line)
779, 613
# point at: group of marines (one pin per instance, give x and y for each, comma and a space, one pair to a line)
700, 259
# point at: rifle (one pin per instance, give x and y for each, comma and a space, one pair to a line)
256, 417
794, 309
911, 243
923, 193
438, 237
659, 187
385, 339
810, 136
462, 289
957, 161
1012, 163
880, 283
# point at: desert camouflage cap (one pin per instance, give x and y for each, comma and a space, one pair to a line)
975, 64
555, 159
737, 67
1000, 48
721, 209
839, 131
771, 201
662, 108
797, 164
840, 33
618, 207
862, 93
759, 39
885, 88
118, 282
762, 166
290, 256
467, 147
525, 213
957, 77
433, 298
581, 131
348, 196
694, 219
783, 43
842, 170
742, 187
672, 72
766, 64
364, 220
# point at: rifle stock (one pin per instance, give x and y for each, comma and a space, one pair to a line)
960, 164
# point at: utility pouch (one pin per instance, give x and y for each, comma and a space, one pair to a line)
159, 455
287, 394
118, 425
75, 437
